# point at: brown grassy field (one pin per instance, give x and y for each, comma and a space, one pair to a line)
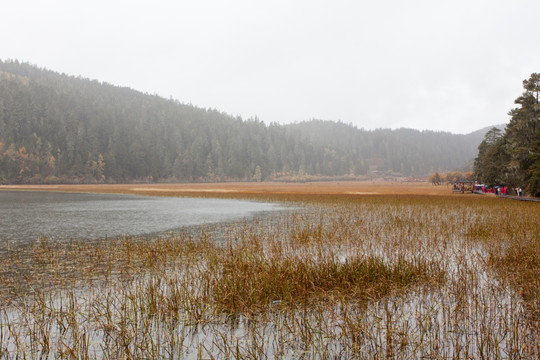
350, 271
253, 188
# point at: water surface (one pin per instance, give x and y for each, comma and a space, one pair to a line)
27, 215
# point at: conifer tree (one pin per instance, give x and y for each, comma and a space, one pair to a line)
513, 158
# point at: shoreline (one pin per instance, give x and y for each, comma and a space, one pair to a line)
353, 188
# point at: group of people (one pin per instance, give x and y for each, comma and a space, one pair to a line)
499, 190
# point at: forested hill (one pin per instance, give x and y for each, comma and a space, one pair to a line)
60, 128
404, 151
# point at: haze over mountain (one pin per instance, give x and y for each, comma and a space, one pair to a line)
60, 128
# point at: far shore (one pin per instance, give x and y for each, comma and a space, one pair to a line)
353, 188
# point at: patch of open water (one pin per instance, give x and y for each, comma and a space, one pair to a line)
27, 215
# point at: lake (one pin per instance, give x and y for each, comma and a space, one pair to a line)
27, 215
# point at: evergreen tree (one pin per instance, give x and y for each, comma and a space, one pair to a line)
521, 132
512, 158
534, 181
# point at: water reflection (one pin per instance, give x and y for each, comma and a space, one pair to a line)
24, 215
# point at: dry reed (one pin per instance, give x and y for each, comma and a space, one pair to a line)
337, 277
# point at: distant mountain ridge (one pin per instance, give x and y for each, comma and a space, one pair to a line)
60, 128
405, 151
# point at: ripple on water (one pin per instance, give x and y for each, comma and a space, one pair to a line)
26, 215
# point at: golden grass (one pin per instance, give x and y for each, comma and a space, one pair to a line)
518, 263
254, 188
250, 280
339, 276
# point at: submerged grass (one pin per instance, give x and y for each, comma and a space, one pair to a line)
518, 264
347, 277
250, 280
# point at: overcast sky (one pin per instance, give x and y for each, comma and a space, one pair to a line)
426, 64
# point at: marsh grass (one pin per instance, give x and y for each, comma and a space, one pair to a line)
518, 264
338, 277
250, 279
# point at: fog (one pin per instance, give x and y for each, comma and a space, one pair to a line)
453, 66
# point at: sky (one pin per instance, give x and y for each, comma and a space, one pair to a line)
451, 66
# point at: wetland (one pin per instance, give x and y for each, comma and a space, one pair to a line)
336, 275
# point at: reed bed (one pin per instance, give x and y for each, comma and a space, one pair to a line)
336, 277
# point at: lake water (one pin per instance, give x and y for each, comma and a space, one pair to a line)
25, 216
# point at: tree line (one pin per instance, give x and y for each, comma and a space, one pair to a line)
512, 157
450, 177
402, 151
56, 128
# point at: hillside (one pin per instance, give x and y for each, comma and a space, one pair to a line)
405, 151
60, 128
